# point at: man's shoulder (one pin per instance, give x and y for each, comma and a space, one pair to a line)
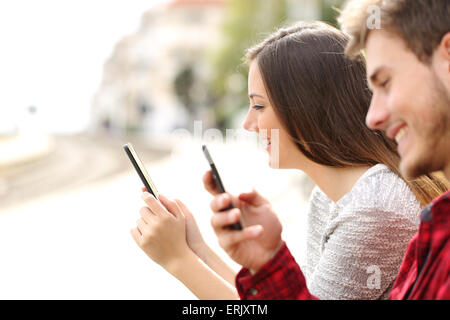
438, 210
443, 199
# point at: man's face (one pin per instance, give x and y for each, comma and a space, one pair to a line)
411, 102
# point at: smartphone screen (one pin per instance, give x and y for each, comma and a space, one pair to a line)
140, 169
219, 184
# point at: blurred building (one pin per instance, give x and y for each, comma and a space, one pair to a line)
155, 76
303, 9
157, 79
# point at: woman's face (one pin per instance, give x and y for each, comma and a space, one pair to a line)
261, 118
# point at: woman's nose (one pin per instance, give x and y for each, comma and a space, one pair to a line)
250, 123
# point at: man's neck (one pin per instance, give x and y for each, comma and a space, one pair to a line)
447, 172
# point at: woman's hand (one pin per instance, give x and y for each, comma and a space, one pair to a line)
260, 239
194, 237
161, 231
161, 234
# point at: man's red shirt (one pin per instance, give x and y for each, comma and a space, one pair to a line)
424, 273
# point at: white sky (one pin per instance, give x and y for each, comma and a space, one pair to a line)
52, 54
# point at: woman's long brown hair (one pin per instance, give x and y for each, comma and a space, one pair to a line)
322, 98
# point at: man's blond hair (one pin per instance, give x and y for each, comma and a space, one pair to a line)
420, 23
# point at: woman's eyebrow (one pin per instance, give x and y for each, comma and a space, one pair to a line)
251, 95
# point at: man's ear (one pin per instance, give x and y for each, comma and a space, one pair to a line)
444, 49
441, 60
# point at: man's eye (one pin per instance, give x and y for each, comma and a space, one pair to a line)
384, 83
257, 106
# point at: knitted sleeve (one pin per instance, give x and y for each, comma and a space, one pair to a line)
362, 245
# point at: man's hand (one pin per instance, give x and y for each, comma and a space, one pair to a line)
260, 238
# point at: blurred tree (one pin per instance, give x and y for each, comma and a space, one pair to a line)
329, 11
184, 82
245, 23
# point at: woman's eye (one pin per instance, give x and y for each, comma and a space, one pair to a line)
257, 106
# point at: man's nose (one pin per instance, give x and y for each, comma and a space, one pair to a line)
378, 115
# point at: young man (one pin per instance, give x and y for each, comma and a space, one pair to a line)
407, 47
408, 68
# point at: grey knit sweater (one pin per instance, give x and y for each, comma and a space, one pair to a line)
356, 245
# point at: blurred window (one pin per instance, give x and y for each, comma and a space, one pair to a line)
194, 16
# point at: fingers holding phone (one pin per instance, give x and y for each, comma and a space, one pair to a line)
241, 245
217, 182
225, 218
260, 238
194, 237
161, 230
209, 184
163, 206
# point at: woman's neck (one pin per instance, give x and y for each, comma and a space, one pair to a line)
335, 182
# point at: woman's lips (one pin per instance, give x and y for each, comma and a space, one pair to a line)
266, 142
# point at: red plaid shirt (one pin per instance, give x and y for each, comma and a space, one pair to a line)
424, 273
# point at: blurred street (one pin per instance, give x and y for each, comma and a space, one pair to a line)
61, 162
64, 233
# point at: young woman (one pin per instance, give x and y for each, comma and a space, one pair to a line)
362, 213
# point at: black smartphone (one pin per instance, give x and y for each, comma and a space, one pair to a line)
140, 169
219, 184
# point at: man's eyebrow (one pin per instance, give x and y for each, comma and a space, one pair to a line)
251, 95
